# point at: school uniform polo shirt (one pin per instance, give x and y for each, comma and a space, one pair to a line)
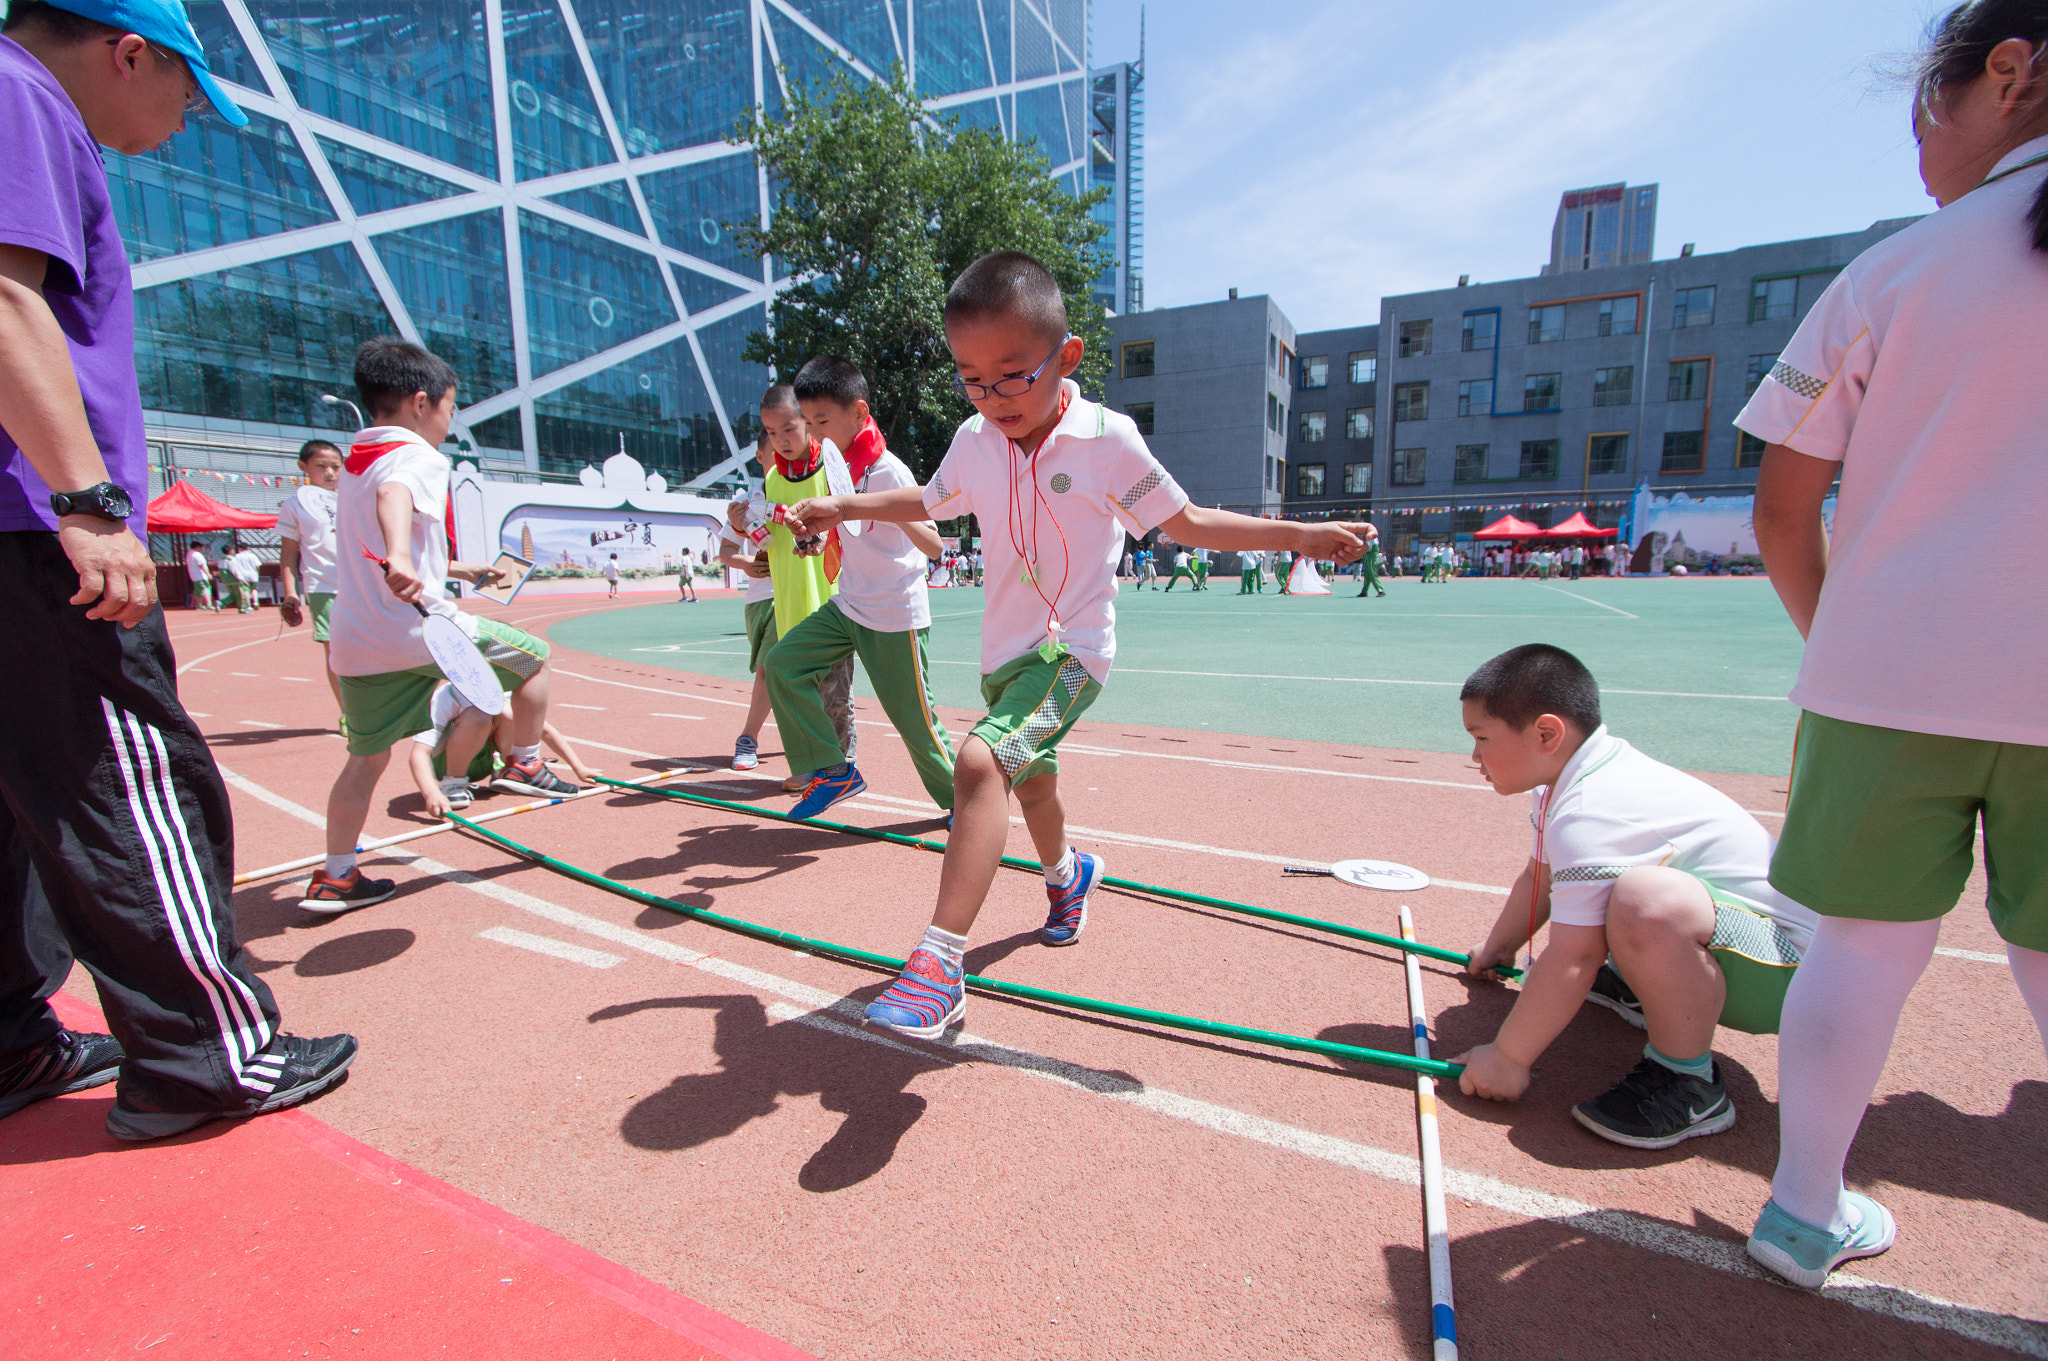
1923, 371
1053, 526
53, 199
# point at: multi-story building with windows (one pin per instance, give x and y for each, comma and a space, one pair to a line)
544, 191
1330, 442
1565, 391
1116, 162
1211, 387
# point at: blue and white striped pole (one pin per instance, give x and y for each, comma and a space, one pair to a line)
1443, 1316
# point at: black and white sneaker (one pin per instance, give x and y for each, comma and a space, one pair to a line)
66, 1062
310, 1067
1611, 992
1654, 1107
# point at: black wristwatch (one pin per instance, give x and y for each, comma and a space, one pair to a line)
106, 501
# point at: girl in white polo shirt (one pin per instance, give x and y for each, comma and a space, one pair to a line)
1920, 378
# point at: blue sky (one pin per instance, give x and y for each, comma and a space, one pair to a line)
1332, 153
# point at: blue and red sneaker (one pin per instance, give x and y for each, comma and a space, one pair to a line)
926, 997
825, 790
1069, 912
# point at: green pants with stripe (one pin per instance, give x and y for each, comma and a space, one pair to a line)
898, 668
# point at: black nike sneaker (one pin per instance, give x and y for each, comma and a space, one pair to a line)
1654, 1107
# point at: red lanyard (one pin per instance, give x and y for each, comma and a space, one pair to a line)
1030, 559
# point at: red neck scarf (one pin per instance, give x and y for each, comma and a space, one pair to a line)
865, 452
797, 472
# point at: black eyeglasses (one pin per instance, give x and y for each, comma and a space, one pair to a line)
1015, 386
194, 102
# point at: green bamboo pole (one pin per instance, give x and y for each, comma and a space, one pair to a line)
1018, 863
1384, 1058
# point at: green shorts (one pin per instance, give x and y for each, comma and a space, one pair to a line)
383, 710
1757, 959
1882, 826
760, 632
1031, 704
320, 608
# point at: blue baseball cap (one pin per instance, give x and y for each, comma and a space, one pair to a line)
164, 23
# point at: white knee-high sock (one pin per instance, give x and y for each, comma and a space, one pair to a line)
1840, 1013
2030, 971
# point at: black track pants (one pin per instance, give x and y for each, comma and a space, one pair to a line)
118, 848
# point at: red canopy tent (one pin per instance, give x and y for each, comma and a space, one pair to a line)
184, 509
1508, 527
1578, 527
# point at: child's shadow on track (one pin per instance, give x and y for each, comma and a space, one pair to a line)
759, 1064
769, 849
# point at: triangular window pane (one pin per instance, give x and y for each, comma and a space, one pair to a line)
701, 292
608, 203
555, 122
451, 277
697, 206
678, 74
806, 63
860, 26
740, 382
585, 294
374, 184
951, 57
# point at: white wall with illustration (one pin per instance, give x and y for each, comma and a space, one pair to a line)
619, 509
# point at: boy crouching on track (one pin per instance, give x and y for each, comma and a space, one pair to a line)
1633, 860
391, 516
1056, 481
882, 612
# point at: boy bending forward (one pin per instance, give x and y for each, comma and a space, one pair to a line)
1635, 860
1056, 481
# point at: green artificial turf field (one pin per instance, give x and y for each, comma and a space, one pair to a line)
1692, 671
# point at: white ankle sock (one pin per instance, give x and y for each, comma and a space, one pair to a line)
1840, 1013
450, 783
522, 755
1062, 874
338, 866
944, 944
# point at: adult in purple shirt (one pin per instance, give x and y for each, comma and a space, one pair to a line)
115, 828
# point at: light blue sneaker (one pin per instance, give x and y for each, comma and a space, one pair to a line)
1804, 1255
825, 790
1069, 911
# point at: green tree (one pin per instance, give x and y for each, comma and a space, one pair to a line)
878, 206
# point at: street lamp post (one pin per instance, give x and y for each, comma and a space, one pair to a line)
329, 399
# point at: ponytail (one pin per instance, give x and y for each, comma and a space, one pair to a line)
1956, 54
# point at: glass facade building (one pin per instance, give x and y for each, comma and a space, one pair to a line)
1116, 162
542, 191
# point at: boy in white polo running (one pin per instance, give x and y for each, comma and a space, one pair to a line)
305, 547
736, 549
391, 528
1055, 481
1633, 860
882, 612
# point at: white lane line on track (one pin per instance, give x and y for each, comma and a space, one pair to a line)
546, 945
258, 723
593, 708
1587, 599
193, 665
246, 675
673, 692
1978, 955
695, 717
840, 1015
305, 680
